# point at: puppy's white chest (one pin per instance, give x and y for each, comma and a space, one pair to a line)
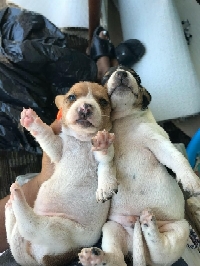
77, 159
71, 181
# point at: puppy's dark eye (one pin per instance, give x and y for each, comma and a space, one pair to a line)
72, 98
103, 102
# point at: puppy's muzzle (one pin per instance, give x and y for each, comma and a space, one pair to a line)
121, 75
120, 82
121, 78
84, 113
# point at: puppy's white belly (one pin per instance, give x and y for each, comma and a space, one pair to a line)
145, 183
70, 192
73, 204
132, 200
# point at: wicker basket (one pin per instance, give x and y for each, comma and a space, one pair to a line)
14, 163
76, 38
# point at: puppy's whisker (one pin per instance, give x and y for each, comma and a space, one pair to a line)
105, 115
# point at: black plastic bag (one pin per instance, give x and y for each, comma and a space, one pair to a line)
29, 39
70, 69
12, 135
33, 43
35, 66
18, 90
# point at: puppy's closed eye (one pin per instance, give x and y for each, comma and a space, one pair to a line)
71, 97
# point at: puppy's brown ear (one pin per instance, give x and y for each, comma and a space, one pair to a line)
146, 98
108, 74
59, 101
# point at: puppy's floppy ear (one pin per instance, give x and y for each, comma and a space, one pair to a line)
107, 75
59, 101
105, 79
146, 98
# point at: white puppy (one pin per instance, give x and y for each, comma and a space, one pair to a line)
147, 215
66, 214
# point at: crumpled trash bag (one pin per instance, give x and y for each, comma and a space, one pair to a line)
12, 135
35, 66
32, 42
29, 39
18, 90
63, 73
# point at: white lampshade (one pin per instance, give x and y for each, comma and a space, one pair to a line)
63, 13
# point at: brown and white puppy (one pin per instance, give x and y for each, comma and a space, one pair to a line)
66, 214
148, 209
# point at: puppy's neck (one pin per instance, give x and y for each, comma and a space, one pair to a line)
70, 132
134, 113
118, 114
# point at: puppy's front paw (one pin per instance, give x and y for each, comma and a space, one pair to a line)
191, 184
106, 191
8, 204
102, 141
16, 193
29, 120
92, 256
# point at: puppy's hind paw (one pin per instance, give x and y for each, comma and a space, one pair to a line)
147, 218
92, 257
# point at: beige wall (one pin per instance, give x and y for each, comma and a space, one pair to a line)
190, 9
2, 3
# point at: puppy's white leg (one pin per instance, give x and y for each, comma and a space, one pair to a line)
168, 155
9, 220
104, 153
114, 246
166, 244
138, 246
50, 230
48, 141
17, 243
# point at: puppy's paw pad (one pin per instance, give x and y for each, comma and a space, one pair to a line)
28, 117
102, 141
147, 217
92, 257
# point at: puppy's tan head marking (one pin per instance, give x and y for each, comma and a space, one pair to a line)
125, 90
85, 108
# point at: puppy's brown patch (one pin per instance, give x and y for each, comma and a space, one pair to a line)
28, 249
62, 259
144, 98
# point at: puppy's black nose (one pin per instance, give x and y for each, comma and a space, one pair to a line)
121, 74
85, 111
